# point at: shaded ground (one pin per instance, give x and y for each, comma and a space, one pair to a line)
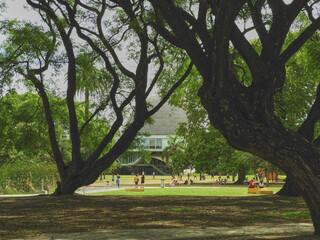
46, 215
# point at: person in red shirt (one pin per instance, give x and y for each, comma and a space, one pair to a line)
252, 184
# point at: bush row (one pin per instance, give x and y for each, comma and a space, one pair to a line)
26, 177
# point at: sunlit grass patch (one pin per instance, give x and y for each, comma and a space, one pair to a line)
287, 215
182, 209
186, 191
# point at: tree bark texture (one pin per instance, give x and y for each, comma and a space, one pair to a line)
241, 178
289, 188
285, 149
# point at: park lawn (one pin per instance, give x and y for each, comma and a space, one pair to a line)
187, 191
25, 217
127, 180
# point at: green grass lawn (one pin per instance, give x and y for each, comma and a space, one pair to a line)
128, 179
188, 191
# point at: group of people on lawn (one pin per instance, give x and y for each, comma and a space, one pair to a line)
136, 180
113, 178
252, 184
258, 177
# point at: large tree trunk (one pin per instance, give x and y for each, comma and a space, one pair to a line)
289, 188
241, 178
71, 182
260, 133
67, 187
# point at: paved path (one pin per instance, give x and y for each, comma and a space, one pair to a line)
83, 190
92, 189
179, 233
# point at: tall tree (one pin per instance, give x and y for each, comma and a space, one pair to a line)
107, 27
245, 113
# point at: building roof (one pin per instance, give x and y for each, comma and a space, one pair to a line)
165, 120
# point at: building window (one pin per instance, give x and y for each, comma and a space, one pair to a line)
158, 143
152, 143
155, 143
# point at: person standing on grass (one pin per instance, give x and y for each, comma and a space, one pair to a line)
118, 180
136, 180
112, 179
154, 175
142, 180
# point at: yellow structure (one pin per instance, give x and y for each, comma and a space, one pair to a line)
135, 189
264, 191
252, 190
259, 191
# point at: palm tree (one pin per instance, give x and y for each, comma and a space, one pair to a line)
90, 80
174, 144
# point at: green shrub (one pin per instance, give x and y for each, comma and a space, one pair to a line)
26, 176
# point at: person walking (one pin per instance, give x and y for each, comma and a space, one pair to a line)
118, 180
142, 180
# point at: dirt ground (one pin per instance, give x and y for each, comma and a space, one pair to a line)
47, 215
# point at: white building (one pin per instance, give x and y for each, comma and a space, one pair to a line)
165, 123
